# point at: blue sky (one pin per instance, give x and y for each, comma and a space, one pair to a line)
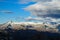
27, 10
15, 8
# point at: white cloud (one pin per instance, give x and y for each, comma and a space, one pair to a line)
45, 9
31, 18
44, 20
39, 19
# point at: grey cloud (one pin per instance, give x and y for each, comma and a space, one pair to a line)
6, 11
45, 9
27, 1
24, 1
40, 19
50, 13
48, 20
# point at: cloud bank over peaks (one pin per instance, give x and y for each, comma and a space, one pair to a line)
47, 20
45, 9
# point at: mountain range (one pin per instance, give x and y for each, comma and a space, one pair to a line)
30, 25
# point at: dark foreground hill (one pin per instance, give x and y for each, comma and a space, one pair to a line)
10, 34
